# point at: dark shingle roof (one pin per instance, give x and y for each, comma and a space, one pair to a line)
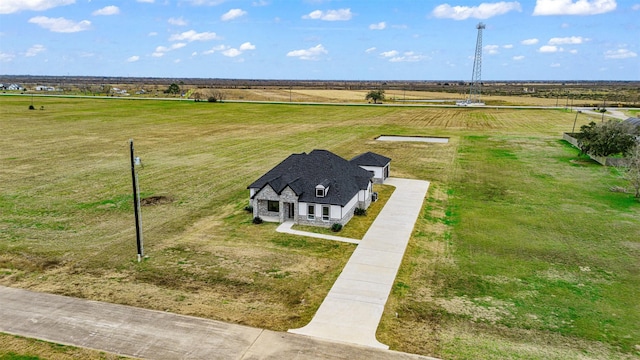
370, 159
633, 121
303, 172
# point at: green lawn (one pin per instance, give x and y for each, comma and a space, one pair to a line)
521, 251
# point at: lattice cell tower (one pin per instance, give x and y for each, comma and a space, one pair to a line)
476, 77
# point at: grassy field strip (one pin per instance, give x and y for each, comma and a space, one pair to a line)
521, 251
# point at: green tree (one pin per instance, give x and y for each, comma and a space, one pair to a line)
610, 138
632, 172
173, 89
375, 95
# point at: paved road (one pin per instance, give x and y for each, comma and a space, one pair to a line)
149, 334
353, 308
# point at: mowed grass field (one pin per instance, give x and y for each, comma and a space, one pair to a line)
521, 251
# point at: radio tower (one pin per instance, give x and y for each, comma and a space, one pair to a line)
476, 77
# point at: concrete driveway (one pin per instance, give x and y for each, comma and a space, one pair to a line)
353, 308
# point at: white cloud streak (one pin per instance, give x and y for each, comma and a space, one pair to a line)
35, 50
313, 53
233, 14
178, 21
60, 25
482, 11
106, 11
330, 15
192, 35
133, 58
572, 40
379, 26
14, 6
619, 54
529, 41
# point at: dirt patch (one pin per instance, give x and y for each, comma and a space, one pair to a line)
155, 200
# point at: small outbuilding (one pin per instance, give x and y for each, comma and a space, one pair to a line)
379, 165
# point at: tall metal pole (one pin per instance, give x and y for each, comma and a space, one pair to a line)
476, 76
136, 203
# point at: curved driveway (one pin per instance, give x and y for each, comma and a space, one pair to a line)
353, 308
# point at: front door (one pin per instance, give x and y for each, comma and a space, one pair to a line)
291, 210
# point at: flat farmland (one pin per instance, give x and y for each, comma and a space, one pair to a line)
521, 251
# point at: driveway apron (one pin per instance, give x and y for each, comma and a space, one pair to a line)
353, 308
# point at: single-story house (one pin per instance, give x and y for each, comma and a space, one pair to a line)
319, 188
379, 165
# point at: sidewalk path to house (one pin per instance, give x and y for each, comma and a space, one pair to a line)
285, 227
149, 334
353, 308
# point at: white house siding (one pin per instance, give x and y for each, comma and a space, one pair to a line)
378, 172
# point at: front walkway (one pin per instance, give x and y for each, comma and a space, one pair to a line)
285, 227
353, 308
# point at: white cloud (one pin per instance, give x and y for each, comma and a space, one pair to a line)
408, 56
491, 49
508, 46
13, 6
247, 46
133, 58
192, 35
146, 1
635, 7
529, 41
60, 25
215, 49
178, 21
313, 53
392, 53
555, 65
153, 33
106, 11
5, 57
619, 54
260, 3
569, 7
518, 58
573, 40
231, 52
35, 50
573, 51
370, 50
482, 11
565, 26
379, 26
550, 49
161, 50
330, 15
233, 14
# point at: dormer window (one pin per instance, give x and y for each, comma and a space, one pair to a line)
322, 188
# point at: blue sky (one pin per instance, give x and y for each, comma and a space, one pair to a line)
322, 39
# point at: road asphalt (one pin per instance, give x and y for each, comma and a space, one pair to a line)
353, 308
149, 334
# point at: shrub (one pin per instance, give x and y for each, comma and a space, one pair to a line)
257, 220
360, 212
212, 99
336, 227
248, 208
31, 107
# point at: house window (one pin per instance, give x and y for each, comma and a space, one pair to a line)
319, 192
325, 213
311, 212
273, 206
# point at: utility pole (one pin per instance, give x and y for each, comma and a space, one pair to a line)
574, 121
136, 202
